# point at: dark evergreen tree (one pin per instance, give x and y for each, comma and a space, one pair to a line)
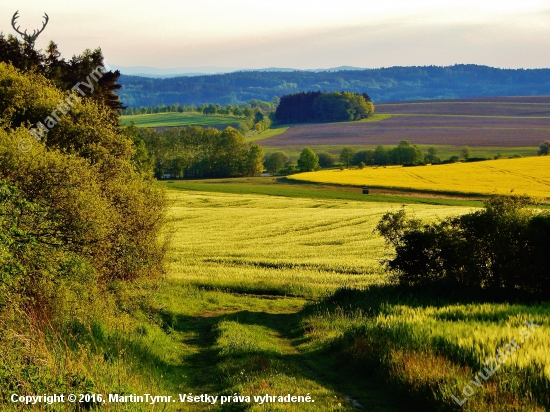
323, 107
296, 108
66, 74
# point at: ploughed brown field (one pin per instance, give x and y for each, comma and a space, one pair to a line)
501, 121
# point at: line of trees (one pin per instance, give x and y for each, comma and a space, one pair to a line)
243, 110
195, 152
280, 163
403, 154
258, 114
323, 107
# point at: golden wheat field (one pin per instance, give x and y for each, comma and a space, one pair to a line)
530, 175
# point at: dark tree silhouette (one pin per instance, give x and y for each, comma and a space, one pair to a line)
323, 107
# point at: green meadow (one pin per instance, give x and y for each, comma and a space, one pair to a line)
179, 120
278, 289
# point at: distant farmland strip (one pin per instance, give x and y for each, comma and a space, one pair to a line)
469, 109
179, 119
497, 122
455, 131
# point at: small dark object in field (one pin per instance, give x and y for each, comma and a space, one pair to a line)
365, 190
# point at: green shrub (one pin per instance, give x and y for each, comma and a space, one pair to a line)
92, 199
500, 248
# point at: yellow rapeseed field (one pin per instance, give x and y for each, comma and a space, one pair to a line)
529, 175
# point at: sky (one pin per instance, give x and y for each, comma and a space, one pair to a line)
302, 34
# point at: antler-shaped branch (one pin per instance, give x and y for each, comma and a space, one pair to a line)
32, 37
13, 20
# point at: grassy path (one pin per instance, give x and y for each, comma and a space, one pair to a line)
255, 345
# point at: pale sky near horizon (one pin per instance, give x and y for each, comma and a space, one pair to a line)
301, 34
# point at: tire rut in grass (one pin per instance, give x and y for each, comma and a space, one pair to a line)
257, 351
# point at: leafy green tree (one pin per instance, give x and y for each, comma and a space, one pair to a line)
365, 156
346, 156
406, 154
289, 169
253, 162
544, 148
66, 74
209, 110
466, 152
432, 156
308, 161
325, 159
381, 156
276, 162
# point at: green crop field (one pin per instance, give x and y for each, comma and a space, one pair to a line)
179, 119
278, 289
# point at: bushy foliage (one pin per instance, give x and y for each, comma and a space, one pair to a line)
346, 156
308, 161
79, 213
276, 161
432, 157
325, 159
544, 148
93, 201
499, 248
365, 156
195, 152
403, 154
466, 152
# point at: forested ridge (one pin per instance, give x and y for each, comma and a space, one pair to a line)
382, 85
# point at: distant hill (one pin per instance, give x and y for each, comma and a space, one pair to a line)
382, 85
164, 73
